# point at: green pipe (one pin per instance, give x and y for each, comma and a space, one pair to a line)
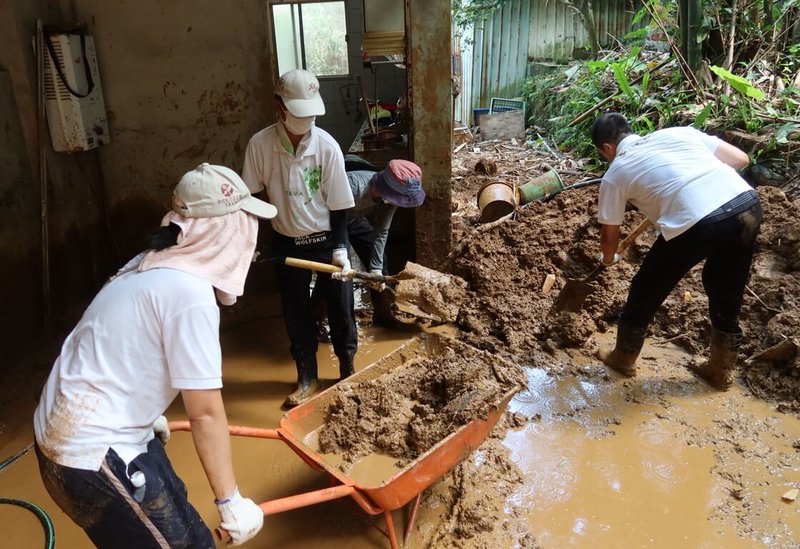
44, 518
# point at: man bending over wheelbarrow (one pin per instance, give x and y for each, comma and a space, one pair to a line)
150, 333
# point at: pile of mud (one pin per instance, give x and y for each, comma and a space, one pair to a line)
509, 314
470, 508
405, 412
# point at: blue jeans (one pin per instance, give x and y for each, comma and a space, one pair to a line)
726, 245
104, 505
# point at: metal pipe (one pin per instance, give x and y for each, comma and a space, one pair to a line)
40, 131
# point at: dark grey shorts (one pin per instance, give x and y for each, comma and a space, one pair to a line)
114, 515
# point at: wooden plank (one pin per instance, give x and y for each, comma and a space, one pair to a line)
502, 125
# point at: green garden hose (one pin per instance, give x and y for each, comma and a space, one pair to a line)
44, 518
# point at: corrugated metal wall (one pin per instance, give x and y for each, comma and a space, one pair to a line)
495, 62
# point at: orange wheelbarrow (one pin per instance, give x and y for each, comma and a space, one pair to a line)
399, 485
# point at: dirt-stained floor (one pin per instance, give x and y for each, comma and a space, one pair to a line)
582, 457
510, 313
507, 265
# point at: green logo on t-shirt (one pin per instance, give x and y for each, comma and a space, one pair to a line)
312, 177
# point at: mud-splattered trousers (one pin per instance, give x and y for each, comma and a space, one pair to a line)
361, 236
117, 516
296, 301
726, 240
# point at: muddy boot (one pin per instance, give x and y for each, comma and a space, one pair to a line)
718, 369
623, 357
346, 368
382, 310
307, 382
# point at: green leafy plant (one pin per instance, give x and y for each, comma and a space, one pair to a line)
738, 83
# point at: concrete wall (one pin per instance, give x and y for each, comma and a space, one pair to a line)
184, 81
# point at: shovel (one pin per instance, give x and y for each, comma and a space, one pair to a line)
331, 269
419, 291
575, 292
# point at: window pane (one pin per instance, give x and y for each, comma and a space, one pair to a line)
286, 20
324, 32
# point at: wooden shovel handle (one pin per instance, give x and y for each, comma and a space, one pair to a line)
312, 265
621, 247
328, 268
633, 236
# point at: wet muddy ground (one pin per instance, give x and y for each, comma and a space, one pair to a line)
749, 435
583, 457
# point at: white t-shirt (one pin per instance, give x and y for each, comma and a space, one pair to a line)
145, 336
306, 186
672, 176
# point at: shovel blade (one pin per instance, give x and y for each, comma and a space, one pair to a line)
572, 296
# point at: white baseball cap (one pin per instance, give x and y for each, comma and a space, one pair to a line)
299, 90
211, 191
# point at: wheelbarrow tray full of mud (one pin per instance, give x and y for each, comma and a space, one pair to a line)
377, 485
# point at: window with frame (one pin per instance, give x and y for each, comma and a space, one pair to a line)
311, 36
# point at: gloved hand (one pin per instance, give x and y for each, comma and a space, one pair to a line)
161, 429
616, 258
377, 286
340, 259
241, 518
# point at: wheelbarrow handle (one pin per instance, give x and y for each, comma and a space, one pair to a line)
276, 506
328, 268
234, 430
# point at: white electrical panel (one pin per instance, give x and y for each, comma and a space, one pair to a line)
76, 112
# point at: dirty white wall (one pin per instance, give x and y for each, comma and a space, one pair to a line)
184, 81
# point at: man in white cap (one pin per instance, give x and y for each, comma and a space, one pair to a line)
150, 333
377, 195
301, 169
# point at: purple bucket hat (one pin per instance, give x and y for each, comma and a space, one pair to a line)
400, 184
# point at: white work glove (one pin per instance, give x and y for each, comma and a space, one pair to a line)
241, 518
377, 286
161, 429
616, 258
340, 259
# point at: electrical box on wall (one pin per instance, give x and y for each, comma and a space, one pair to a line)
76, 112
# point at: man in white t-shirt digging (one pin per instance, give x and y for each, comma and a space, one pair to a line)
150, 333
301, 169
686, 183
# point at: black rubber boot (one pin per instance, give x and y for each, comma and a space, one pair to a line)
382, 310
346, 368
307, 381
623, 357
718, 369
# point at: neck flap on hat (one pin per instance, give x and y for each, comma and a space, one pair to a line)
216, 249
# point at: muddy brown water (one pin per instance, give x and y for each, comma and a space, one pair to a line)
630, 463
595, 461
584, 458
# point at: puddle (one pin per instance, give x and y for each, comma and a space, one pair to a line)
257, 374
606, 465
656, 461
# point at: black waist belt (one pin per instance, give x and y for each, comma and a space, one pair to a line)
736, 205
